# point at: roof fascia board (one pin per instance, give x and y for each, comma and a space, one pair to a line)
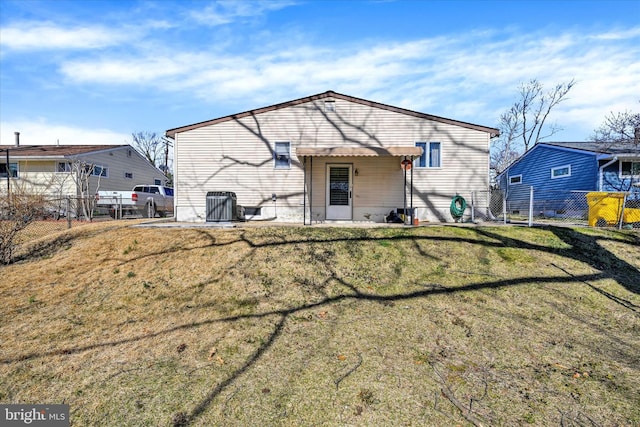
569, 149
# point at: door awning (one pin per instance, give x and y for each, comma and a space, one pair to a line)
401, 151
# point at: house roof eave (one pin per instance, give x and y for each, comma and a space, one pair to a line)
493, 132
43, 152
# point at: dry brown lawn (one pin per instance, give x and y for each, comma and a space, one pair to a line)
294, 326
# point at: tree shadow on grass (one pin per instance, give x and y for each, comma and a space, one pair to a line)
582, 247
44, 249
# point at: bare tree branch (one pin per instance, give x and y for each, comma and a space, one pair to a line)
523, 124
82, 172
618, 128
150, 145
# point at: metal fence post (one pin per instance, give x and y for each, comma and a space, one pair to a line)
621, 220
472, 206
504, 207
531, 206
68, 209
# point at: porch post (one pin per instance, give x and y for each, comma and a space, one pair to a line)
304, 190
311, 190
411, 202
404, 194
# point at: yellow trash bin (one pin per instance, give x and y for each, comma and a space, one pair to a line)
631, 216
604, 208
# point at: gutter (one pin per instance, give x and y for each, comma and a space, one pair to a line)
601, 171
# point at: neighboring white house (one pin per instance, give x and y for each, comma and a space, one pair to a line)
329, 157
52, 170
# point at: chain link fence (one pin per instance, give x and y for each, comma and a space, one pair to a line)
37, 215
526, 205
27, 217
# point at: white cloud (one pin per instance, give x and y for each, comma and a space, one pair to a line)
135, 70
41, 132
464, 77
45, 36
619, 34
225, 12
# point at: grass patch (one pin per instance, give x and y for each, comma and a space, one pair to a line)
326, 326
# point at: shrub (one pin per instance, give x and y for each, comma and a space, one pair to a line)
17, 211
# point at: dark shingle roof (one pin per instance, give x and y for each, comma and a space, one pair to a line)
55, 150
599, 147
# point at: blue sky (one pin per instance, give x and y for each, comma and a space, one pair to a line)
94, 71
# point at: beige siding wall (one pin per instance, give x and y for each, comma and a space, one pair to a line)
41, 176
236, 156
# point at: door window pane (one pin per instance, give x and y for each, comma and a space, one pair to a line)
339, 186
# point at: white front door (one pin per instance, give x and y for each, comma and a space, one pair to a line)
339, 191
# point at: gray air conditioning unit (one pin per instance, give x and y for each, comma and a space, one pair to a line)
221, 206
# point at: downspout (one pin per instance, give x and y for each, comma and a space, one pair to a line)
601, 173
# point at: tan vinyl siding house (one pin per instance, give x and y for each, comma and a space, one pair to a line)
47, 169
329, 157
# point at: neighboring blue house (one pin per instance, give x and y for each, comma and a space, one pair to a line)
554, 168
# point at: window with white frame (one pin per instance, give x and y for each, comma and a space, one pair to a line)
11, 171
515, 179
561, 172
282, 155
329, 106
63, 167
157, 181
629, 169
99, 170
431, 155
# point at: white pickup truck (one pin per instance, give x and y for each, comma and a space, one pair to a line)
145, 200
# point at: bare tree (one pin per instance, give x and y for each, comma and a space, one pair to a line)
621, 131
504, 149
523, 124
617, 129
152, 146
82, 172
